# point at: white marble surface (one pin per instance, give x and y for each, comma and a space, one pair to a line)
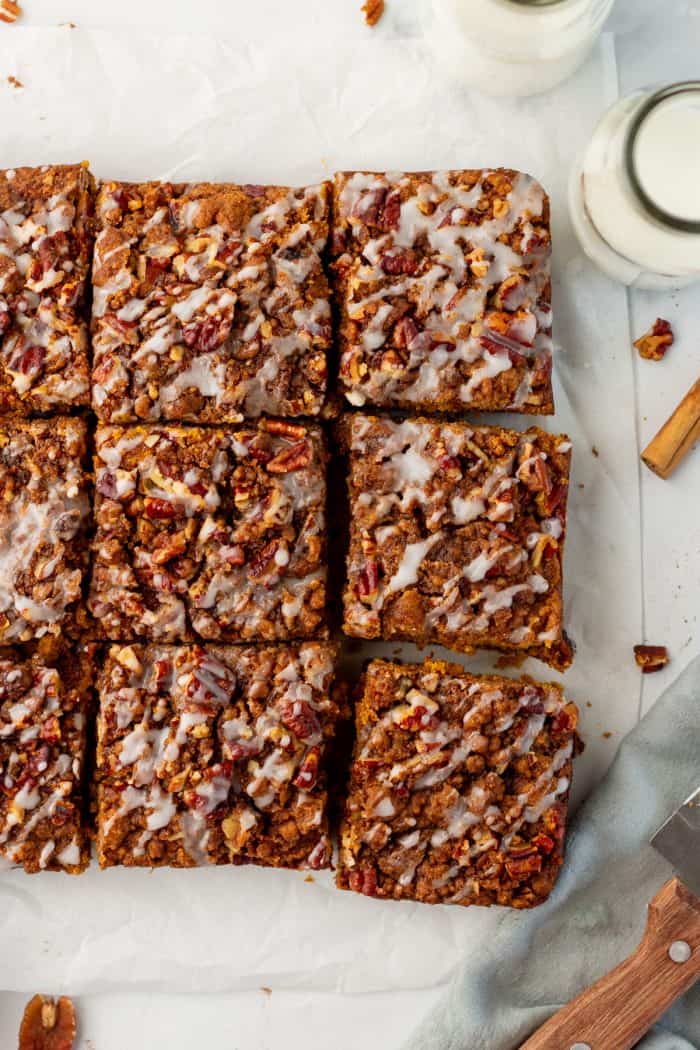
653, 43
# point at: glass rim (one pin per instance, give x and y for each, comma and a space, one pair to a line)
677, 222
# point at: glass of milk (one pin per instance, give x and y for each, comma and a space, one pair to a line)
514, 47
635, 196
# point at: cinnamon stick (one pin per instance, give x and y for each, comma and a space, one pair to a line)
676, 437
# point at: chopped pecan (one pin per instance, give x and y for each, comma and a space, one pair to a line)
266, 560
528, 862
301, 718
400, 261
307, 774
159, 509
289, 459
10, 11
368, 583
284, 428
364, 880
651, 657
208, 334
373, 11
392, 211
653, 344
48, 1024
167, 546
405, 331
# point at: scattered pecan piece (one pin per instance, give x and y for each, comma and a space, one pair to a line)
14, 82
373, 11
9, 11
651, 657
653, 344
47, 1024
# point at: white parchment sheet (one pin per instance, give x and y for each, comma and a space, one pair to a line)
256, 109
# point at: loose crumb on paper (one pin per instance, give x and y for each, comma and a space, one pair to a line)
14, 82
373, 11
309, 878
653, 344
265, 989
9, 11
595, 452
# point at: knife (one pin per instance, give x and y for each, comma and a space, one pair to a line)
615, 1012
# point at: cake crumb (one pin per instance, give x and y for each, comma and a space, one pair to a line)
607, 735
595, 451
309, 878
265, 989
373, 11
14, 82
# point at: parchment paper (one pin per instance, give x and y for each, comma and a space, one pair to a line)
260, 107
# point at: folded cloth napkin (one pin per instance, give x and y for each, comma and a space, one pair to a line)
596, 915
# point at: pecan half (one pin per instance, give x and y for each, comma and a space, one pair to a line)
47, 1024
289, 459
651, 657
654, 343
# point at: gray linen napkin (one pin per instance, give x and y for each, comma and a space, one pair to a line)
540, 959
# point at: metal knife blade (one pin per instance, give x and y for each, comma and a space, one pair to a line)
678, 841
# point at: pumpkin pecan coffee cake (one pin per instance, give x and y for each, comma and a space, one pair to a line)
214, 755
44, 512
210, 302
443, 287
456, 535
459, 787
215, 533
45, 700
45, 250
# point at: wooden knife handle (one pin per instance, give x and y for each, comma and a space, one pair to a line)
615, 1012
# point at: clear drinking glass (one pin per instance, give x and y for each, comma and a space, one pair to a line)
514, 47
634, 197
